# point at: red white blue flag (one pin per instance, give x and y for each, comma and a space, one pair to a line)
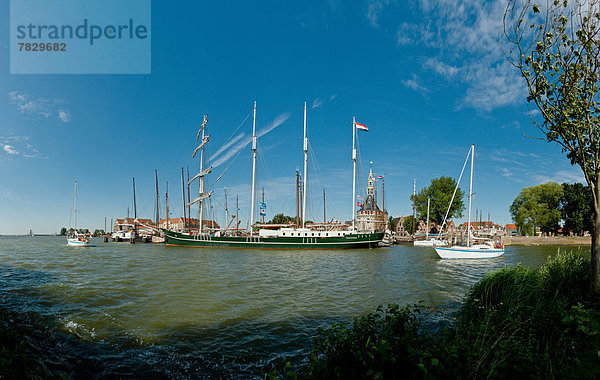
361, 127
379, 177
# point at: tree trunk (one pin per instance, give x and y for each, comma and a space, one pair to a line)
595, 254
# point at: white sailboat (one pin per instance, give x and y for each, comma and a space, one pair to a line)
433, 242
476, 251
75, 238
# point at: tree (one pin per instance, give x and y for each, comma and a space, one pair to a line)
538, 206
440, 193
408, 223
576, 208
557, 55
63, 231
392, 223
98, 232
282, 219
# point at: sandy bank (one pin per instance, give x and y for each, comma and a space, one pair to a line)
547, 240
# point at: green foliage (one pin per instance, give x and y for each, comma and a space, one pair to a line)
392, 223
557, 55
385, 344
515, 322
527, 323
98, 232
537, 207
440, 193
282, 219
577, 208
408, 224
63, 231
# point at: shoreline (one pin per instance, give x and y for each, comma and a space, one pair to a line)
547, 240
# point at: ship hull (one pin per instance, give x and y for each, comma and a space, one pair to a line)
359, 240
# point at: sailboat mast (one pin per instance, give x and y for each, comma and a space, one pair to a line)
383, 205
226, 212
156, 187
414, 200
427, 230
353, 172
189, 213
253, 166
237, 209
470, 196
75, 205
324, 215
134, 203
263, 202
297, 197
167, 204
201, 187
183, 200
305, 168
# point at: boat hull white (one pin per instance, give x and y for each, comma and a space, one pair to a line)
78, 243
458, 252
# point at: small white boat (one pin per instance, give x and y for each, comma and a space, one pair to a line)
75, 238
79, 240
475, 251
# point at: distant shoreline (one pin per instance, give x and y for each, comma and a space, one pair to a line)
547, 240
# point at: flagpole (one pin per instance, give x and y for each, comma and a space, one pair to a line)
305, 165
253, 166
353, 171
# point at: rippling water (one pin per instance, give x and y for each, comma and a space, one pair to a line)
184, 312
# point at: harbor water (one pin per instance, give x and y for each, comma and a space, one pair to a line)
150, 310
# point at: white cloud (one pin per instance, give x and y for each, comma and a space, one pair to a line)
274, 124
505, 172
10, 149
461, 41
227, 145
64, 116
333, 97
316, 103
414, 85
242, 144
19, 145
374, 9
39, 108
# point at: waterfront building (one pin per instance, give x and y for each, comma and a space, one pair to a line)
370, 217
179, 224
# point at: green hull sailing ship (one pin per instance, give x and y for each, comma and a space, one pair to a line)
287, 237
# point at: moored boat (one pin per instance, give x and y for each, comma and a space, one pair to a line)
476, 251
74, 237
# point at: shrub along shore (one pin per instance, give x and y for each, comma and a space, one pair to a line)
516, 322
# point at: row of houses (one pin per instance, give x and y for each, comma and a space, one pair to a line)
482, 228
173, 224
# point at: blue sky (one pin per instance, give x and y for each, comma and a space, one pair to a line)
427, 78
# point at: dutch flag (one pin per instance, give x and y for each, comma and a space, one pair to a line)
361, 127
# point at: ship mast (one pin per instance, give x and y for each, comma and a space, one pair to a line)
353, 172
183, 200
201, 174
470, 196
156, 186
253, 167
305, 168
